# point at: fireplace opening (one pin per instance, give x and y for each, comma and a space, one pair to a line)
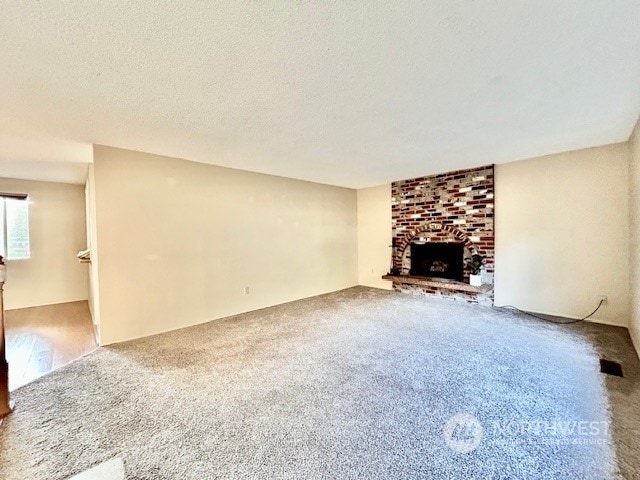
442, 260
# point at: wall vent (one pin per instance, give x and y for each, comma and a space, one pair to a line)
611, 368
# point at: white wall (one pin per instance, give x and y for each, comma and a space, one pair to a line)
57, 232
374, 236
634, 175
562, 233
179, 241
92, 244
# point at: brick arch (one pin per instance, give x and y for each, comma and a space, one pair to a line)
405, 241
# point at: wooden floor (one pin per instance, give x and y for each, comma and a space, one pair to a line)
41, 339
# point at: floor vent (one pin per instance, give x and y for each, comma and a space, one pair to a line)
611, 368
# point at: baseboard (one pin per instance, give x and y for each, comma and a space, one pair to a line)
611, 323
635, 339
46, 304
602, 321
110, 341
387, 286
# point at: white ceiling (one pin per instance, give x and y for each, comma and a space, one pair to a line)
345, 93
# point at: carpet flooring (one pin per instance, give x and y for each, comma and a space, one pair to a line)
360, 383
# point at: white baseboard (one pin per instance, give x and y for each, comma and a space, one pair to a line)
635, 338
602, 321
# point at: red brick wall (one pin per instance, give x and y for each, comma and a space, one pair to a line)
455, 206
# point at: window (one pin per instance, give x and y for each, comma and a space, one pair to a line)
14, 222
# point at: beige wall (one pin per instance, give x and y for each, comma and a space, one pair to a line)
180, 241
57, 231
374, 236
634, 175
562, 233
92, 244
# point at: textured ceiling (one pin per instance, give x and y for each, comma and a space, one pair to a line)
346, 93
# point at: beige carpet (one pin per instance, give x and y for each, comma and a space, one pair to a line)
361, 383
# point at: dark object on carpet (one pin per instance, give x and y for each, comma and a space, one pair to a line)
611, 368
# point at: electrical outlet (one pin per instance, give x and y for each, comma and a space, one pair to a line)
604, 299
246, 290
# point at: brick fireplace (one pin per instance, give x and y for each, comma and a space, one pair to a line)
435, 218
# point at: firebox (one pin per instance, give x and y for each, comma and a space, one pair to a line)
443, 260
